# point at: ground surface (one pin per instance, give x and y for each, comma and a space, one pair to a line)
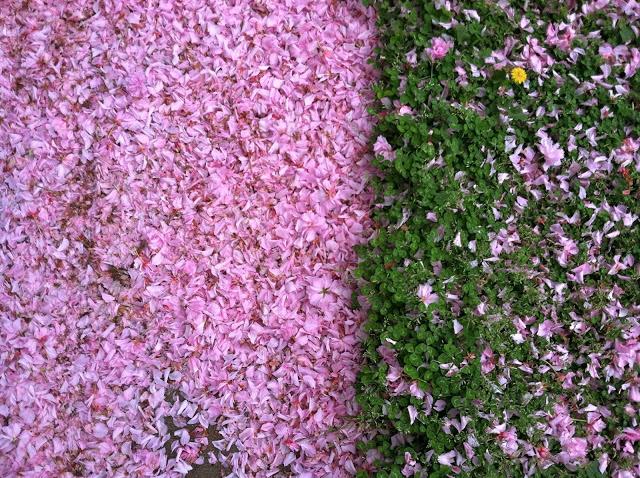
182, 185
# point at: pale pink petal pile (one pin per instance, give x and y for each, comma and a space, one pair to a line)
181, 187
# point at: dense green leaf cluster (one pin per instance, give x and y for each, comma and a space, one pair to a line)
450, 161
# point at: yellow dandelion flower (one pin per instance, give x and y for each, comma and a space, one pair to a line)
518, 75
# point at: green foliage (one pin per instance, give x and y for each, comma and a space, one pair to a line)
451, 162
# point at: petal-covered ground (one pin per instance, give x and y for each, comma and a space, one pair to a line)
181, 189
504, 275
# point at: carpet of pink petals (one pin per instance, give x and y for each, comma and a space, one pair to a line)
182, 185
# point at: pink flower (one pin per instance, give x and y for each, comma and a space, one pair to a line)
613, 55
536, 57
416, 391
426, 295
413, 413
388, 355
439, 48
524, 162
439, 405
579, 272
606, 52
412, 58
552, 152
427, 405
560, 423
634, 63
137, 83
569, 249
471, 15
603, 462
507, 438
189, 453
448, 458
631, 434
320, 291
462, 77
411, 467
624, 474
487, 360
384, 149
573, 449
394, 374
634, 393
567, 383
405, 111
560, 36
100, 430
547, 328
468, 449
